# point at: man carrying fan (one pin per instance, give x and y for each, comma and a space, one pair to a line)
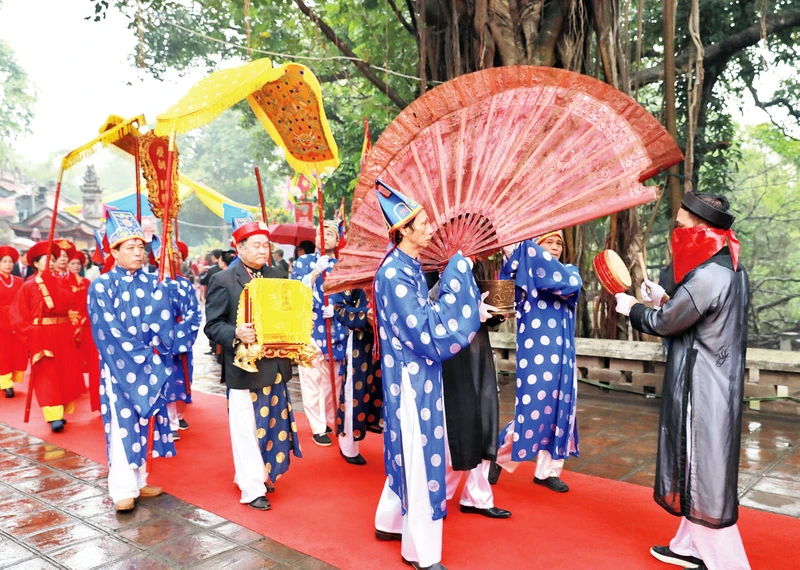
415, 336
701, 410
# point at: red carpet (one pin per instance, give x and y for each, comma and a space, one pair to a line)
325, 507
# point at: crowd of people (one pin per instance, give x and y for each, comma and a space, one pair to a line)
409, 359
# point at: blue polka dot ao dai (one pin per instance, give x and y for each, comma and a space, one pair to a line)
303, 266
416, 335
133, 325
547, 292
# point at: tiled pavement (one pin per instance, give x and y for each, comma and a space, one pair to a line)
55, 513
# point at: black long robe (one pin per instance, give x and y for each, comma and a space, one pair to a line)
471, 400
705, 323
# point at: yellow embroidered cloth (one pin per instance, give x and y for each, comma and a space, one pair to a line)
287, 101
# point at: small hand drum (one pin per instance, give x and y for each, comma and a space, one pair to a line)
612, 272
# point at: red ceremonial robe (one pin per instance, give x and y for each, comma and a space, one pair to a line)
14, 355
40, 313
88, 356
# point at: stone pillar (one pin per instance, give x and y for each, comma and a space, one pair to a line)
92, 198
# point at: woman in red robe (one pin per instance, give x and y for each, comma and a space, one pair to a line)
87, 351
14, 357
44, 314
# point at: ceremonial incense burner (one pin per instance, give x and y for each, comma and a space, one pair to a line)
501, 295
612, 272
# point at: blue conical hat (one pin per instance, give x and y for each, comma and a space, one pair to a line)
397, 209
122, 226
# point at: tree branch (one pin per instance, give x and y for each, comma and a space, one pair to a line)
401, 18
360, 64
778, 101
724, 49
775, 303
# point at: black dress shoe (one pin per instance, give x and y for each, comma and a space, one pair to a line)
664, 554
374, 429
414, 564
494, 473
322, 440
183, 424
328, 430
57, 425
270, 488
552, 483
492, 512
260, 504
386, 536
357, 460
9, 392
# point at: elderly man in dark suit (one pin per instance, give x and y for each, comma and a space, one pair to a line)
262, 426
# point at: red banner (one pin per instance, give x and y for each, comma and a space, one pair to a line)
153, 151
304, 214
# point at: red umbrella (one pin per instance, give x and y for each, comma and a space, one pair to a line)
292, 234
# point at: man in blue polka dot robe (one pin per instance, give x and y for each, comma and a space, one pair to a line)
415, 336
315, 383
544, 425
134, 326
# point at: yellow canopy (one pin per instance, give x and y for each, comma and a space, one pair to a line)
287, 101
212, 199
107, 137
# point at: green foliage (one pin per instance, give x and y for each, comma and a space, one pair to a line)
766, 199
17, 99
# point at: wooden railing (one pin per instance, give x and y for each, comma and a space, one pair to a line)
639, 367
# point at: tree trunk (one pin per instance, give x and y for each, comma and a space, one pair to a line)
457, 36
670, 121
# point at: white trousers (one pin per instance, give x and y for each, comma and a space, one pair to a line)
124, 481
718, 548
477, 491
422, 536
347, 445
247, 461
315, 390
546, 466
174, 416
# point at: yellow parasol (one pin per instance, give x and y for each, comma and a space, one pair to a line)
287, 100
110, 134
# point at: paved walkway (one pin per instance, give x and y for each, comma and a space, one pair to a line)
55, 513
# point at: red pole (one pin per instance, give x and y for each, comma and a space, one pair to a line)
137, 165
331, 373
165, 245
52, 232
263, 212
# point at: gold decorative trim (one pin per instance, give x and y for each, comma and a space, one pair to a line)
52, 321
39, 355
48, 301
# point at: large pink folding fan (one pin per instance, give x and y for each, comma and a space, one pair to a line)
503, 155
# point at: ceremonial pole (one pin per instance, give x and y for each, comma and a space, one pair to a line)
137, 167
323, 271
264, 217
166, 242
52, 231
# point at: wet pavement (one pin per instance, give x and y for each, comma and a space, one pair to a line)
55, 511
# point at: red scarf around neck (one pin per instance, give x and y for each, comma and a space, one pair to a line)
693, 246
